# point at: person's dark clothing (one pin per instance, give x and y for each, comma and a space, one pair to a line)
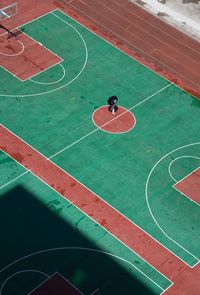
112, 100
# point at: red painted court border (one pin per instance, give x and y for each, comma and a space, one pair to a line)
190, 186
98, 210
122, 122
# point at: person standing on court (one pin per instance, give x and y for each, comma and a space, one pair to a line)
112, 102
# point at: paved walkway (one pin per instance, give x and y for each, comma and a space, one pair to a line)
183, 14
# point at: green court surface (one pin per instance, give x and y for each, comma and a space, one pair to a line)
133, 171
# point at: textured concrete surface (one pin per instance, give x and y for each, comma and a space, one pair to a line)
183, 14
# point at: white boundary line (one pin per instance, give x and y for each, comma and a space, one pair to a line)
167, 289
93, 293
14, 179
149, 207
198, 262
83, 249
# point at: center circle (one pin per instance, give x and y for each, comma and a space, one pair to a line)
122, 122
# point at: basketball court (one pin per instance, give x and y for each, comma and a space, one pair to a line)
92, 203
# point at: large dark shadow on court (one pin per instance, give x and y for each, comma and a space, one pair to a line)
28, 226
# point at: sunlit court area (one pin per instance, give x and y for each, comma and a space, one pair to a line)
99, 147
